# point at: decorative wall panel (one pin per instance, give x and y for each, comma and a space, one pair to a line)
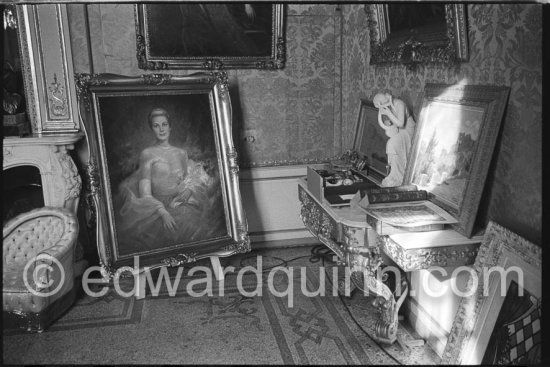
506, 49
48, 68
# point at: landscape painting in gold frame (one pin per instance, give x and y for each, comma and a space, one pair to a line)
453, 145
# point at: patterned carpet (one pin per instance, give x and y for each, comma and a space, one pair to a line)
228, 329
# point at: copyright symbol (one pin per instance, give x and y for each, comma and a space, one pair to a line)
42, 282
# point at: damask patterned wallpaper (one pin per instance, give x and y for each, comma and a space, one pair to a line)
307, 111
505, 42
294, 114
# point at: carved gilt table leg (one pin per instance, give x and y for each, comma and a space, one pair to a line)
366, 261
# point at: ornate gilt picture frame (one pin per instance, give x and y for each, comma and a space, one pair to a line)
453, 145
418, 33
472, 340
210, 36
163, 168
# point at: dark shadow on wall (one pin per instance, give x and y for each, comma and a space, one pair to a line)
237, 116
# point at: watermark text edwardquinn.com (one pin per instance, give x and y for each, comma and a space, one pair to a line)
198, 286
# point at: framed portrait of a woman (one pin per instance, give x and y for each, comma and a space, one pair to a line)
163, 168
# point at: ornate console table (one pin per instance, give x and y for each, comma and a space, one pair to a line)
346, 232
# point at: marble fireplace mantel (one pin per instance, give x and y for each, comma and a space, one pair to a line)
61, 182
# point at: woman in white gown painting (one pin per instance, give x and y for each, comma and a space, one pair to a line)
168, 199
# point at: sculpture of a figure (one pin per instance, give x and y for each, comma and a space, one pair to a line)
398, 123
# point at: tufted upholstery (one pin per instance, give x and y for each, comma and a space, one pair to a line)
30, 237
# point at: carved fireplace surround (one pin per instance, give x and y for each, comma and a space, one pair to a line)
61, 182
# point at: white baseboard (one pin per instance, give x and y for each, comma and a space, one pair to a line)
282, 235
428, 328
270, 201
291, 242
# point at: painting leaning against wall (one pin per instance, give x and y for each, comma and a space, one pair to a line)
168, 177
453, 144
444, 158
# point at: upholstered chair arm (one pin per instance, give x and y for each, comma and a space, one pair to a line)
59, 251
49, 273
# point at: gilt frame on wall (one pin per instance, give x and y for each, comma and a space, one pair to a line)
210, 36
416, 40
453, 145
477, 314
163, 171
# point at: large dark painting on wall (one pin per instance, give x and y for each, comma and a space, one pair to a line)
418, 33
167, 170
207, 35
421, 19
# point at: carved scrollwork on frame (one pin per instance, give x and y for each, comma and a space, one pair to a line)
233, 161
221, 78
157, 79
421, 44
179, 259
92, 190
92, 173
281, 53
279, 61
143, 63
243, 244
83, 83
213, 64
241, 247
500, 248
